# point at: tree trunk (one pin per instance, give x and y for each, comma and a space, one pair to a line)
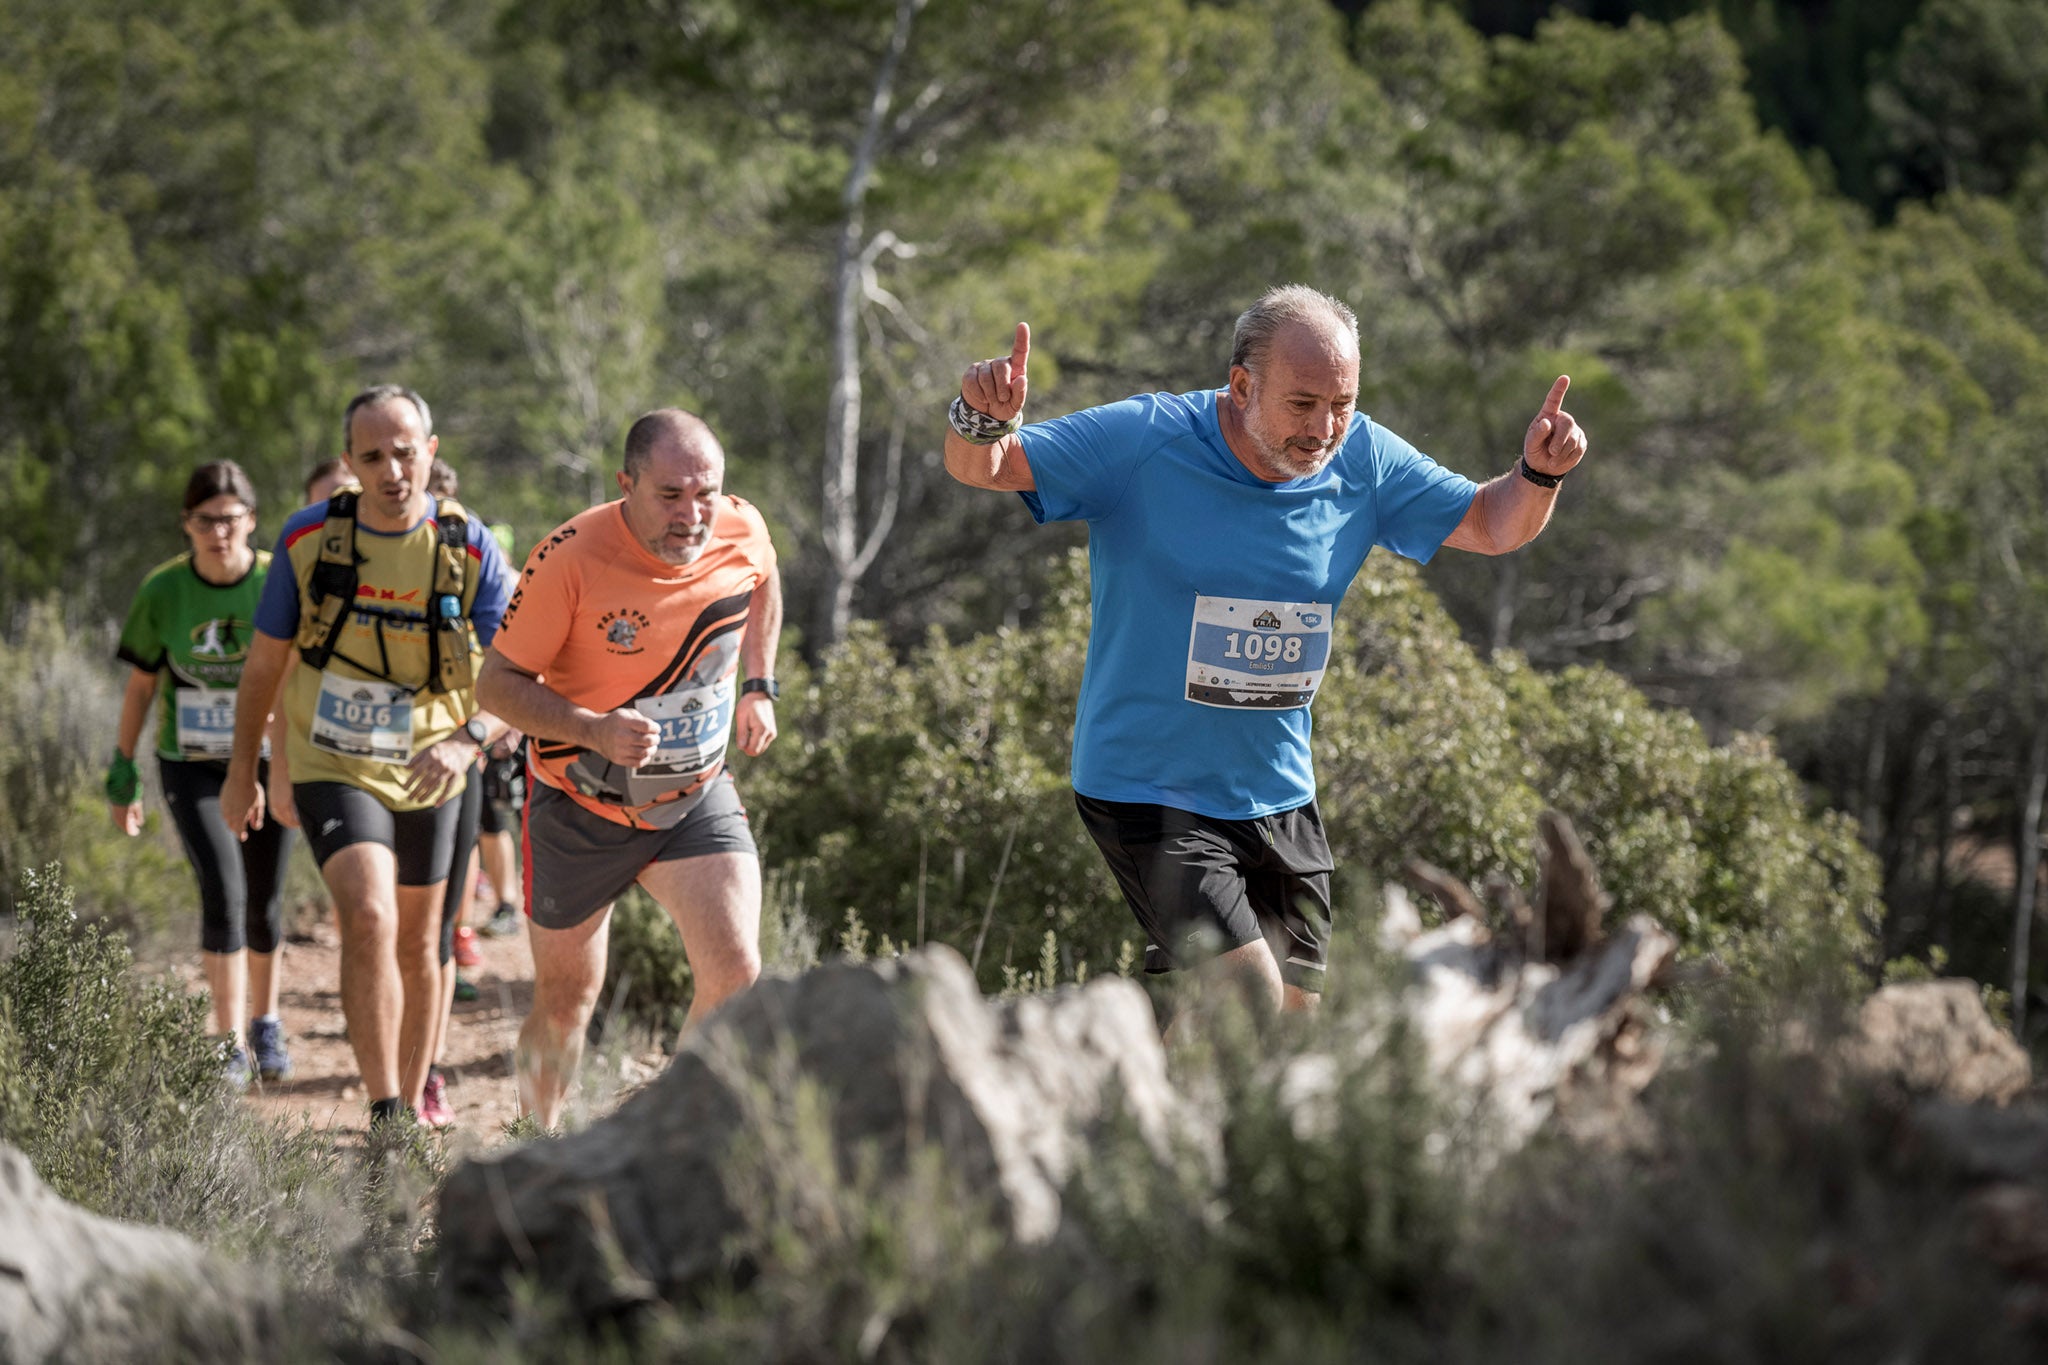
846, 557
1507, 595
1942, 901
2028, 858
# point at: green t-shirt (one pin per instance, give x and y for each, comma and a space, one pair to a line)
198, 632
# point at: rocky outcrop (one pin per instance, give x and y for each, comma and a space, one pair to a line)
1935, 1039
67, 1275
663, 1196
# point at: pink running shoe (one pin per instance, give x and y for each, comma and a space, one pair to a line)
434, 1111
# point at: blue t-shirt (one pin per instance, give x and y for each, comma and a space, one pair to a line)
277, 613
1213, 591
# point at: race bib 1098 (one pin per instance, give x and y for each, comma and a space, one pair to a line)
1243, 652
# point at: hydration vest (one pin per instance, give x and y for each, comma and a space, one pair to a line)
328, 595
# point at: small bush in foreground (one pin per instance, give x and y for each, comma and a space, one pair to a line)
112, 1088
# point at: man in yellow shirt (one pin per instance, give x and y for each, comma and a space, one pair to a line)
377, 591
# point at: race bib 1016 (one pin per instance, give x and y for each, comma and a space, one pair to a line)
363, 719
1263, 655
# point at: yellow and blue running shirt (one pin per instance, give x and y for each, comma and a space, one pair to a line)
362, 718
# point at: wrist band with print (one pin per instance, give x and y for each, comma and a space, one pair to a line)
1538, 477
124, 780
976, 427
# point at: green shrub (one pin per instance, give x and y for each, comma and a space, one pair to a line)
60, 701
930, 796
112, 1088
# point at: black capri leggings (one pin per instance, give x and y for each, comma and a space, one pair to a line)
240, 882
459, 873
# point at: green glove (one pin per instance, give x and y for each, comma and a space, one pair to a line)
124, 780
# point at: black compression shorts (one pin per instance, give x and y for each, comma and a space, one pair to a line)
335, 815
240, 884
470, 808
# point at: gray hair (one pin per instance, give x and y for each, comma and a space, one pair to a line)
1277, 308
665, 424
384, 393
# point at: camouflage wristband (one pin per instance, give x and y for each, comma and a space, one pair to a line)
976, 427
124, 780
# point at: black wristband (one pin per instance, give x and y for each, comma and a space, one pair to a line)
767, 685
1537, 476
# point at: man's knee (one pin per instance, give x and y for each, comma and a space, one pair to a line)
736, 959
367, 919
566, 988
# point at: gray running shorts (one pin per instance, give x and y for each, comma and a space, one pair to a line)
577, 862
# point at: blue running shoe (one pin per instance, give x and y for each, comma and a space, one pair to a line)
236, 1073
266, 1040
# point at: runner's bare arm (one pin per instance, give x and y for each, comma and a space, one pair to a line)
754, 717
522, 700
135, 702
1510, 510
995, 388
284, 807
241, 798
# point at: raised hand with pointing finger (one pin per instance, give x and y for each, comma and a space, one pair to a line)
984, 420
1555, 441
995, 388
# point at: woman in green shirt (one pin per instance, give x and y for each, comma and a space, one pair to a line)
186, 636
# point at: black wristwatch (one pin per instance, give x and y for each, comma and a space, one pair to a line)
767, 685
478, 733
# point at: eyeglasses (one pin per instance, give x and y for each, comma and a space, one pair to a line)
225, 522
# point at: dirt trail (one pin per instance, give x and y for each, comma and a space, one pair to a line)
325, 1090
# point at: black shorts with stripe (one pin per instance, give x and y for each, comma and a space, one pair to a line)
1200, 886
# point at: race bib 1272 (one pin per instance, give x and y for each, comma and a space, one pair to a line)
1243, 652
694, 723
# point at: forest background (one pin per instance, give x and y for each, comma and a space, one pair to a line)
1794, 255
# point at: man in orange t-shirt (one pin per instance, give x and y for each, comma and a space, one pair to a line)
621, 656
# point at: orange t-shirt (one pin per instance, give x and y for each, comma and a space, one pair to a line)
601, 621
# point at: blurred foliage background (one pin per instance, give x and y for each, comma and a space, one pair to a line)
1793, 254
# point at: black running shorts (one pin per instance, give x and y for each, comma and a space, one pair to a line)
1201, 886
469, 812
577, 862
334, 815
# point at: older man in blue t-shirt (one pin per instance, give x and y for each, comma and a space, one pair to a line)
1224, 527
